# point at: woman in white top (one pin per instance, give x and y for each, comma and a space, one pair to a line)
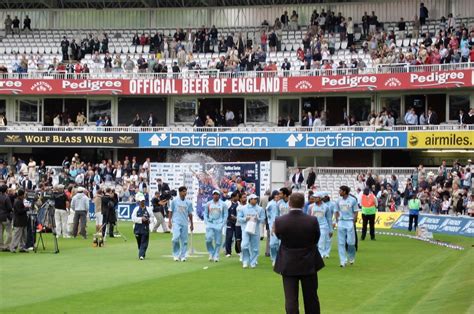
32, 170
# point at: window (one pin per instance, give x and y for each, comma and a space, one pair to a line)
456, 103
393, 104
28, 110
289, 107
257, 110
360, 108
184, 110
99, 108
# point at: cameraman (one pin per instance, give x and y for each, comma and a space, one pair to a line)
159, 204
141, 217
108, 212
61, 204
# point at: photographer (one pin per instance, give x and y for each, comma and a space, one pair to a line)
159, 204
141, 217
61, 204
5, 218
108, 212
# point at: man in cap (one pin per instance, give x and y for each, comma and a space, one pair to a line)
250, 217
321, 211
141, 216
368, 203
80, 206
215, 216
346, 213
181, 212
61, 213
273, 211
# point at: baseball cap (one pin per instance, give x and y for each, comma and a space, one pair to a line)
253, 196
216, 192
139, 197
80, 189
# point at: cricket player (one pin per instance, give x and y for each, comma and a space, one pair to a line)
322, 212
250, 217
283, 202
273, 211
346, 213
215, 217
331, 207
141, 216
181, 213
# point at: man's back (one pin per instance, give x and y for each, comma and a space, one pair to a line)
299, 235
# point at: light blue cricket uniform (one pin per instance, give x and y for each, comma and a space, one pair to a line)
331, 207
323, 214
215, 217
273, 211
181, 209
250, 242
345, 228
284, 207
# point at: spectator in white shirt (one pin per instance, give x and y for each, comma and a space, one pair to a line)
229, 117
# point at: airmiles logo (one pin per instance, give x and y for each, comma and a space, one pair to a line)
393, 82
304, 85
41, 87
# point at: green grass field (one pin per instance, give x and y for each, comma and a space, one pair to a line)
391, 275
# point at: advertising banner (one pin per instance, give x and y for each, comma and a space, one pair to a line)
383, 220
45, 139
264, 83
457, 225
332, 140
444, 139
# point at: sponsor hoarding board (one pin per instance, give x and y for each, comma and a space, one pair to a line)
441, 139
45, 139
383, 220
328, 140
265, 84
457, 225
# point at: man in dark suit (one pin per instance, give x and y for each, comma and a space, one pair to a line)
432, 117
290, 121
311, 178
462, 117
107, 121
151, 120
298, 258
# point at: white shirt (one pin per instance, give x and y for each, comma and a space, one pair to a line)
229, 116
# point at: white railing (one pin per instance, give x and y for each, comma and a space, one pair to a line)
239, 129
213, 73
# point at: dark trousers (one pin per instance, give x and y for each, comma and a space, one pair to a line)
371, 220
106, 222
309, 286
350, 40
80, 216
142, 242
411, 219
231, 232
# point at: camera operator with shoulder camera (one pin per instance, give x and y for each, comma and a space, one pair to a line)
109, 215
160, 205
141, 216
61, 213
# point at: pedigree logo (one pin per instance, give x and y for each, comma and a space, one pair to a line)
436, 78
41, 86
11, 86
304, 85
393, 82
349, 82
94, 86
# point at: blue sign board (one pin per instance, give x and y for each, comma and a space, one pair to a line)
124, 210
304, 140
456, 225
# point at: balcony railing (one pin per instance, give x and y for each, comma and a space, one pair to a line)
213, 73
241, 129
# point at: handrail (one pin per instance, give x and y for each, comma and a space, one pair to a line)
240, 129
214, 73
